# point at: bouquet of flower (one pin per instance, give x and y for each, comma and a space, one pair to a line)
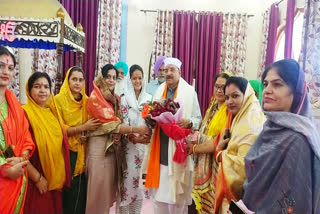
167, 114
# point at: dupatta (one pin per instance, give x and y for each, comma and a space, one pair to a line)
49, 136
73, 113
244, 128
16, 131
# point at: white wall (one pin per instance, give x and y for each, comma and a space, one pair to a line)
141, 26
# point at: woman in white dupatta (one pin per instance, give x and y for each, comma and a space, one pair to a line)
131, 102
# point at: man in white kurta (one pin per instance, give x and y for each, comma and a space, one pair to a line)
173, 194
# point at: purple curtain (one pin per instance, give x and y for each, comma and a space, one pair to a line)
85, 13
272, 36
207, 56
184, 32
289, 28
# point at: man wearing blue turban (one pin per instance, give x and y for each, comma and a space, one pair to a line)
122, 68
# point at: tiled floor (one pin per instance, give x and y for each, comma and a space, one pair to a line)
146, 208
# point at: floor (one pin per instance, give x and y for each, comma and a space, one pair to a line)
146, 208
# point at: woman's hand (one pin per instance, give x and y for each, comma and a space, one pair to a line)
92, 124
14, 160
183, 123
139, 139
143, 130
223, 144
16, 170
42, 185
189, 148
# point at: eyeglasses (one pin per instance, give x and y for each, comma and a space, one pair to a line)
219, 87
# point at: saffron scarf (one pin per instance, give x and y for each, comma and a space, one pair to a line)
73, 113
16, 131
48, 134
244, 129
102, 104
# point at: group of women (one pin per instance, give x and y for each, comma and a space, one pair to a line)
49, 144
265, 157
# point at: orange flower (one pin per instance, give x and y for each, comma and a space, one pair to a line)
145, 111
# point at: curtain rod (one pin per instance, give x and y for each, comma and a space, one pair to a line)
154, 11
279, 2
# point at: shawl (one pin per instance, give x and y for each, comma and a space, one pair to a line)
290, 143
213, 123
16, 131
132, 107
105, 106
73, 113
245, 127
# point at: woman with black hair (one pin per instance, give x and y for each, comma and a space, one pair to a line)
134, 97
283, 165
72, 106
49, 167
212, 124
106, 162
244, 123
16, 143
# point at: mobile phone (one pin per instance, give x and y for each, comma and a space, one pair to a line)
235, 209
8, 152
227, 134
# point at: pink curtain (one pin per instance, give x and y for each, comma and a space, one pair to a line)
109, 29
265, 32
207, 55
234, 43
85, 13
310, 51
289, 28
272, 36
184, 31
162, 42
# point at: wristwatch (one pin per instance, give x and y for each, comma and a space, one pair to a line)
190, 125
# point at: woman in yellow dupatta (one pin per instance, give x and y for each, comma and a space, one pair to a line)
213, 122
49, 167
72, 106
244, 123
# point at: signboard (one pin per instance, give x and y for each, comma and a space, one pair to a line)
7, 31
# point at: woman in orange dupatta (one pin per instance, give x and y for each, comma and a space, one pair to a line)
49, 167
106, 164
14, 131
245, 120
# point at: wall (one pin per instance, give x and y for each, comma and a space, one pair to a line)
141, 26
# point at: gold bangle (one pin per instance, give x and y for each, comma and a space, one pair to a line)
194, 149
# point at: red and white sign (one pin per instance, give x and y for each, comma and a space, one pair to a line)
7, 31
